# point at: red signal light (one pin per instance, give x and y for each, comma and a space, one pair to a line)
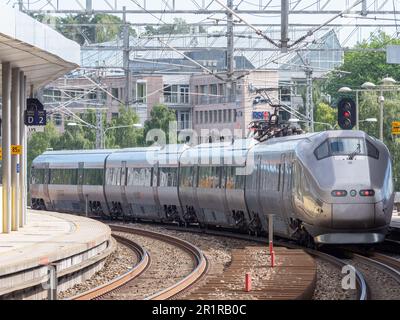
367, 193
339, 193
347, 114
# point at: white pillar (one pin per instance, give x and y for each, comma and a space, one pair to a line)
6, 144
15, 97
22, 161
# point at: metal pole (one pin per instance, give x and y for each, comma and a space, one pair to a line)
284, 25
381, 101
53, 282
87, 205
6, 145
15, 116
126, 58
309, 102
357, 111
271, 231
23, 156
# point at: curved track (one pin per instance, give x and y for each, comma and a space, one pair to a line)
126, 281
362, 286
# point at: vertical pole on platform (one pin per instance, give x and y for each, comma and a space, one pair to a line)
6, 144
22, 160
53, 282
15, 105
87, 205
271, 238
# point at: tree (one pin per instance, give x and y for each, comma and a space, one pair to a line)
124, 137
39, 142
160, 118
326, 114
362, 66
179, 26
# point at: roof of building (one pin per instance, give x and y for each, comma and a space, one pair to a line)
38, 50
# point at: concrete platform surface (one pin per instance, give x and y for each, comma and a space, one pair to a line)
67, 240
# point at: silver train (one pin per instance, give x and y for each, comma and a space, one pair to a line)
332, 187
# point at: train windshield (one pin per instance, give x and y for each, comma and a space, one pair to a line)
346, 146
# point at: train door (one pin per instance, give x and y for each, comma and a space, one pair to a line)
286, 189
49, 204
82, 197
125, 205
156, 179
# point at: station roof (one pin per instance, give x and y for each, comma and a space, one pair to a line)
38, 50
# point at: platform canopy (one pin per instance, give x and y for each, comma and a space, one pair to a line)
38, 50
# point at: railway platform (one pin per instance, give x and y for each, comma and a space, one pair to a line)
76, 246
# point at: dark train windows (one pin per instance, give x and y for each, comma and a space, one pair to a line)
210, 177
345, 147
64, 176
37, 176
372, 150
93, 177
234, 180
322, 151
168, 177
186, 177
139, 177
113, 176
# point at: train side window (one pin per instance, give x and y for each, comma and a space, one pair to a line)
186, 177
322, 151
372, 150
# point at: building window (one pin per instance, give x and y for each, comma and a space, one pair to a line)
141, 92
213, 93
201, 116
205, 116
57, 119
215, 116
230, 115
115, 92
221, 93
224, 115
219, 116
210, 116
197, 117
196, 94
184, 94
234, 115
203, 95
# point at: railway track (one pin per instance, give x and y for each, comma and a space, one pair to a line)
144, 272
362, 290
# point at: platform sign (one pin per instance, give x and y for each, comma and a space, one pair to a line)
395, 127
35, 115
35, 118
16, 150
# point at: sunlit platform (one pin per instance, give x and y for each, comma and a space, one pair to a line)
76, 245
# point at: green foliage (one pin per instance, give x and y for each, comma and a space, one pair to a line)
88, 29
363, 65
161, 117
179, 26
124, 137
41, 141
326, 114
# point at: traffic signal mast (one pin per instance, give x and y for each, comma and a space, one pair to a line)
347, 117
